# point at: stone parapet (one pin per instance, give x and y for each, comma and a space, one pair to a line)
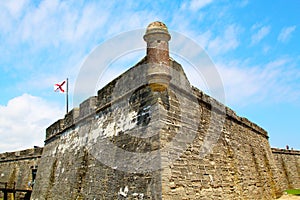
16, 170
216, 106
88, 107
21, 155
285, 151
288, 164
71, 118
54, 129
106, 96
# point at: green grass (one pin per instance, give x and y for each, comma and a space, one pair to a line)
294, 191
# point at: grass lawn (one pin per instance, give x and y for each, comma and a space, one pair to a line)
294, 191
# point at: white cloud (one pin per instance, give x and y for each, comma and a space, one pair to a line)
52, 22
226, 42
256, 26
23, 122
266, 49
285, 33
196, 5
15, 7
204, 38
260, 34
275, 81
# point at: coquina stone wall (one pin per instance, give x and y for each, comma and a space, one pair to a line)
288, 164
149, 134
240, 165
227, 157
16, 167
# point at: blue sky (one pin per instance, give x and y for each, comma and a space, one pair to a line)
254, 45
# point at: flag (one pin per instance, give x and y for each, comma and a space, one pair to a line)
61, 87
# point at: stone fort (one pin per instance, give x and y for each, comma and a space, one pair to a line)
164, 139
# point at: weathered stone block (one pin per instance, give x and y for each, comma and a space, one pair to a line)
54, 129
87, 107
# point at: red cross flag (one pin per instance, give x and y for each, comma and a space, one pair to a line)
61, 87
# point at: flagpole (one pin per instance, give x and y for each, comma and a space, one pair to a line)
67, 97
